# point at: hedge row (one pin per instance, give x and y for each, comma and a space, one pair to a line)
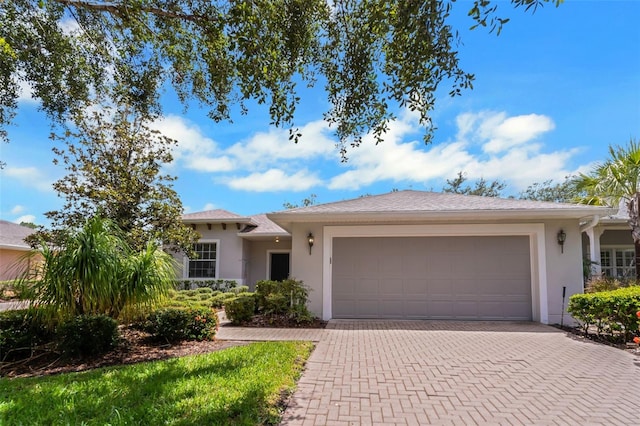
220, 285
609, 311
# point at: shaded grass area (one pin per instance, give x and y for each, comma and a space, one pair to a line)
243, 385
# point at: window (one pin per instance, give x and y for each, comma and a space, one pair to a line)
204, 265
618, 262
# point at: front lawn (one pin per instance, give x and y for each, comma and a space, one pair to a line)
241, 385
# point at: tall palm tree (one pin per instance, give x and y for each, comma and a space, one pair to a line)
614, 181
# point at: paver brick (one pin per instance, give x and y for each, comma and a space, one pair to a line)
450, 372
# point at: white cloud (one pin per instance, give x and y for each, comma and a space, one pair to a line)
508, 152
17, 209
266, 147
29, 176
505, 133
29, 218
195, 151
209, 206
274, 180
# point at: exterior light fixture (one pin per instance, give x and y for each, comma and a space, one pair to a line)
562, 237
310, 241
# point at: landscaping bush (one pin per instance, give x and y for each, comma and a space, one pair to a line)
88, 335
598, 284
241, 308
220, 285
21, 332
217, 302
609, 311
176, 323
288, 297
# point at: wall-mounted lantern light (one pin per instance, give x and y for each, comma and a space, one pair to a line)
562, 237
310, 241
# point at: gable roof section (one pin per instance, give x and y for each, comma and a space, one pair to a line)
215, 216
263, 227
412, 205
12, 235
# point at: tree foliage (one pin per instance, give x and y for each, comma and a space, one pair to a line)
306, 202
94, 271
616, 181
370, 55
481, 187
562, 192
113, 162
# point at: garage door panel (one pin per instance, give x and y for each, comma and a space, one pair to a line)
415, 287
367, 286
432, 277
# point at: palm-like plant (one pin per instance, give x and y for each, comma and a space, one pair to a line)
614, 181
95, 271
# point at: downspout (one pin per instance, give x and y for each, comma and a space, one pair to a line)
591, 224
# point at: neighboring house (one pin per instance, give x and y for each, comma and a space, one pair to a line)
13, 249
608, 245
407, 254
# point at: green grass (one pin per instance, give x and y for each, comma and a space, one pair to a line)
241, 385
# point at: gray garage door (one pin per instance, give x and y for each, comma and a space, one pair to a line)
466, 278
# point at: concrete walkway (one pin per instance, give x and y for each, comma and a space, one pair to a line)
452, 373
8, 306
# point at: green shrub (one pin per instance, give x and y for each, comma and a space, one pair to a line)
220, 285
204, 290
241, 308
239, 289
21, 332
609, 311
177, 323
88, 335
288, 297
219, 301
598, 284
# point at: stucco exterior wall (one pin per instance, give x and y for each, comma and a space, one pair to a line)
229, 251
10, 264
258, 256
308, 267
551, 269
616, 237
564, 269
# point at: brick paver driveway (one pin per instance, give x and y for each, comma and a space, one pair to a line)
432, 372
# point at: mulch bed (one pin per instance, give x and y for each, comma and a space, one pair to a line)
136, 346
577, 333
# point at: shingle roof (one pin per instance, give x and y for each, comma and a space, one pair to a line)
264, 226
13, 235
411, 206
421, 201
218, 215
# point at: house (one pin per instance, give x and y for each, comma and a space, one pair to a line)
407, 254
245, 249
12, 249
608, 245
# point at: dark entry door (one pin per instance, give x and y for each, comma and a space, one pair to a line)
279, 270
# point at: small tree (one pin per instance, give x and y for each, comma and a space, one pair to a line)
95, 271
114, 165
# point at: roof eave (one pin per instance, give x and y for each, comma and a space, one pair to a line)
284, 219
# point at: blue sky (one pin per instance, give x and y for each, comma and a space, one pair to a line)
552, 92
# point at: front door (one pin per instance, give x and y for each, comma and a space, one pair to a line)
279, 268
